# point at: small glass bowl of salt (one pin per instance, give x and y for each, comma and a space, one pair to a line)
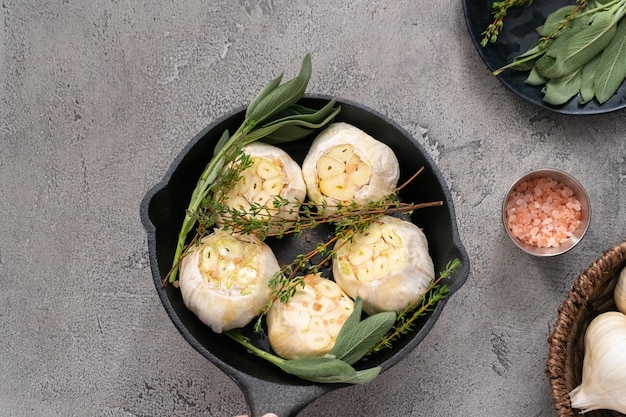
546, 212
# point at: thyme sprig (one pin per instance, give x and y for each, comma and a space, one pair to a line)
405, 320
500, 10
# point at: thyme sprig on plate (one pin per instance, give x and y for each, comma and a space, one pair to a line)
500, 10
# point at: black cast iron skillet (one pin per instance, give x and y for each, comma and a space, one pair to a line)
267, 388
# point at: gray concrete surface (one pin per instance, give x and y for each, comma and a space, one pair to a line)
98, 97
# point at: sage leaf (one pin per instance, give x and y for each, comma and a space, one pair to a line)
586, 43
273, 132
264, 92
365, 375
319, 369
221, 142
547, 67
560, 90
611, 68
283, 96
527, 60
534, 78
554, 20
355, 339
587, 80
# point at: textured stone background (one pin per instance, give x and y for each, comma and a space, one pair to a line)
97, 99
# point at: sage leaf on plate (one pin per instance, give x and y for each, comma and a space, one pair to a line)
611, 68
357, 337
560, 90
534, 78
554, 20
587, 80
585, 43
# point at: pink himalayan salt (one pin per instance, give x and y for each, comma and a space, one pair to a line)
542, 212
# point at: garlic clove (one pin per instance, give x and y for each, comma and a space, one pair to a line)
604, 366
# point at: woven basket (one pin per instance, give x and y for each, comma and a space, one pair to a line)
590, 295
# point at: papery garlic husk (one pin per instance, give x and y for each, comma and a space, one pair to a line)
224, 280
346, 165
388, 265
604, 366
273, 174
619, 294
308, 324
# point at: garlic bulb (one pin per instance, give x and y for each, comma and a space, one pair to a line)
273, 173
604, 365
308, 324
619, 294
224, 280
387, 265
345, 165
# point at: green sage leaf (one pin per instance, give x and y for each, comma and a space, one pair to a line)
355, 339
547, 67
587, 80
527, 60
263, 93
534, 78
586, 43
221, 142
560, 90
554, 20
319, 369
611, 68
283, 96
273, 135
365, 375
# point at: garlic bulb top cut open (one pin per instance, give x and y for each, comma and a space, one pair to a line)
620, 292
387, 265
224, 280
603, 383
345, 165
273, 173
308, 324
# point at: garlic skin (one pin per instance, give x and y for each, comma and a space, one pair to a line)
387, 265
224, 281
308, 324
273, 174
604, 366
345, 165
619, 294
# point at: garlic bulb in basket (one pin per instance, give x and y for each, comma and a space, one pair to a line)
273, 173
308, 324
345, 165
387, 265
224, 280
620, 292
604, 366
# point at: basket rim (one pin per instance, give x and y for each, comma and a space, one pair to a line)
577, 298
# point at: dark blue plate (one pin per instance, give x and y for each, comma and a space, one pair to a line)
517, 36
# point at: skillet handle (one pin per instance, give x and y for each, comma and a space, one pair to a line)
265, 397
